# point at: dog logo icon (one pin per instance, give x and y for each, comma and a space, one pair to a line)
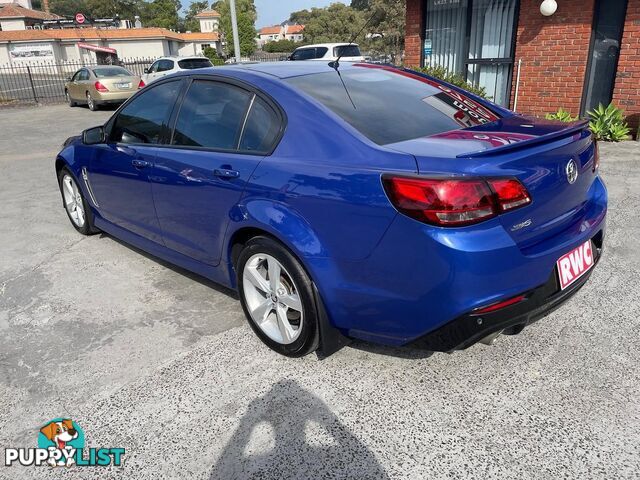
61, 434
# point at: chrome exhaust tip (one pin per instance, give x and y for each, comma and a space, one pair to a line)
491, 339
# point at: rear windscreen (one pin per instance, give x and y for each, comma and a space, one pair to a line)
103, 72
390, 105
193, 63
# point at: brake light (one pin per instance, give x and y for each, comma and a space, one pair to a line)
449, 202
100, 87
499, 306
596, 156
141, 84
510, 193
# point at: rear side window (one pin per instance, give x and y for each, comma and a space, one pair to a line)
346, 51
321, 52
261, 129
141, 121
193, 63
211, 115
391, 105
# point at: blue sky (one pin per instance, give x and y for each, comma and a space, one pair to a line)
272, 12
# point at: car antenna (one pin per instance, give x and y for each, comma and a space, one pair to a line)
335, 64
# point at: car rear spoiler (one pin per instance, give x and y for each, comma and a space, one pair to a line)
563, 132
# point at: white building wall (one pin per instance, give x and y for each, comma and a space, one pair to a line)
139, 48
4, 53
10, 24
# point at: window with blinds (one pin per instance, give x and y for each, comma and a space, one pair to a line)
475, 39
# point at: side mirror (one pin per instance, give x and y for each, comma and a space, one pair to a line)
146, 70
68, 79
93, 136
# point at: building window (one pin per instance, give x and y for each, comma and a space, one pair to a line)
608, 23
473, 38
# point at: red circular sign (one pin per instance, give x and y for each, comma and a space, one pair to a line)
80, 18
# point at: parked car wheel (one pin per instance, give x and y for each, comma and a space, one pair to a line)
75, 204
69, 99
93, 106
277, 297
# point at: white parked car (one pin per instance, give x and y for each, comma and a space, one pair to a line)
348, 52
166, 65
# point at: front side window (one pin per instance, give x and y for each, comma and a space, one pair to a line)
154, 67
211, 116
304, 54
76, 76
391, 105
142, 120
82, 75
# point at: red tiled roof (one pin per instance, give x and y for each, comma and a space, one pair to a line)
270, 30
212, 36
102, 34
295, 29
207, 14
13, 10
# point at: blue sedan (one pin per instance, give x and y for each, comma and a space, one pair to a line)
347, 201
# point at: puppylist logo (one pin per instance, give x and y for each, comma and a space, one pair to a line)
61, 443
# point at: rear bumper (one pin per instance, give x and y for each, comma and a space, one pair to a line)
470, 328
112, 97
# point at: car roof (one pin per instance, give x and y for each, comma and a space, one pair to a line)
328, 45
286, 69
178, 57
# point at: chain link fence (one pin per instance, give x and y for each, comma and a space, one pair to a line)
44, 82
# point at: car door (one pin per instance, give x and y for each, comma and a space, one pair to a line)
75, 86
220, 135
120, 168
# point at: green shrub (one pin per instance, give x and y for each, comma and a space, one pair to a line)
454, 79
212, 54
280, 46
561, 115
607, 123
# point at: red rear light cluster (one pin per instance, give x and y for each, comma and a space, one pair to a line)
100, 87
141, 84
500, 305
449, 202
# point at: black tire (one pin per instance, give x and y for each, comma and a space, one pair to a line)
91, 103
307, 341
88, 228
69, 99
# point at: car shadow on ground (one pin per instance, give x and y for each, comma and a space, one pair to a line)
291, 433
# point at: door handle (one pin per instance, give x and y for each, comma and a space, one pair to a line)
139, 163
226, 173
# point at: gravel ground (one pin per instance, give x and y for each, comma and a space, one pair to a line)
155, 360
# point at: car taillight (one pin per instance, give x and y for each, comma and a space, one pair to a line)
510, 193
499, 306
141, 84
596, 156
100, 87
449, 202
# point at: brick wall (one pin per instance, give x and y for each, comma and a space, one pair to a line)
626, 94
554, 52
414, 35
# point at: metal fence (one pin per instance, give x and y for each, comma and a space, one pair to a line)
43, 82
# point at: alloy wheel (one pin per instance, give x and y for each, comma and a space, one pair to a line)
272, 298
90, 101
73, 200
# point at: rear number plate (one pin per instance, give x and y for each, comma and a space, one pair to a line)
575, 264
123, 85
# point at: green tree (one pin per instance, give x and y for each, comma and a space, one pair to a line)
387, 27
190, 21
301, 17
125, 9
246, 15
335, 23
212, 55
161, 13
360, 4
68, 8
